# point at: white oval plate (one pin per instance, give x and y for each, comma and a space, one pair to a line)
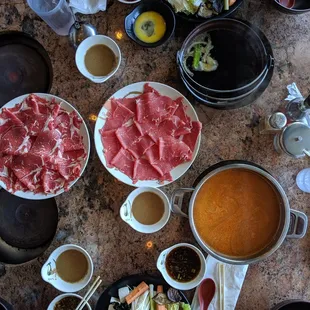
165, 90
83, 131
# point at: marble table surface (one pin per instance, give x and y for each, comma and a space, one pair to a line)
89, 212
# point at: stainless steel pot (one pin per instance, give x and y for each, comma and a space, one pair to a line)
293, 224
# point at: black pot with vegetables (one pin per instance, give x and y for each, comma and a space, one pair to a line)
224, 61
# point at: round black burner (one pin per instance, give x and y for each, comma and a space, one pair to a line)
27, 224
24, 65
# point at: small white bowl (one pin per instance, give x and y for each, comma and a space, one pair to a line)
161, 266
60, 297
49, 271
86, 45
127, 216
129, 2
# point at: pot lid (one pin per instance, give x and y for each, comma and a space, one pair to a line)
25, 66
27, 224
296, 139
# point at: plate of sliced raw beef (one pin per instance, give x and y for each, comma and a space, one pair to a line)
44, 146
147, 134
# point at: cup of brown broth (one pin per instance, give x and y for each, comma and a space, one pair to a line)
146, 210
69, 268
98, 58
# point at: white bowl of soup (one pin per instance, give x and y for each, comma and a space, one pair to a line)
146, 210
239, 213
69, 268
98, 58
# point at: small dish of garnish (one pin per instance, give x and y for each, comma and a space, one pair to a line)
150, 24
183, 266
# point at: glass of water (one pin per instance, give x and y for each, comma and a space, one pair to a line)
56, 13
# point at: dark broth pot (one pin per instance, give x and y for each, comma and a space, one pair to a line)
294, 304
5, 305
241, 55
239, 213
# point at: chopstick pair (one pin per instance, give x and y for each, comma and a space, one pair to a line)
221, 271
89, 294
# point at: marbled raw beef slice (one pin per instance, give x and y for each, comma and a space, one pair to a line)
111, 145
15, 141
118, 117
153, 108
52, 181
124, 162
191, 138
27, 168
143, 170
131, 140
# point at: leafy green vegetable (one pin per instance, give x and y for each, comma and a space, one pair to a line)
178, 306
174, 306
226, 5
186, 6
185, 306
197, 55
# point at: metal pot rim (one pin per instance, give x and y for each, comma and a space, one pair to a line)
285, 205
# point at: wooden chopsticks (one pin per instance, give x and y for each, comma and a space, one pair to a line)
89, 294
221, 271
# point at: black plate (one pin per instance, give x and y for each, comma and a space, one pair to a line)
196, 19
24, 65
151, 5
134, 280
27, 227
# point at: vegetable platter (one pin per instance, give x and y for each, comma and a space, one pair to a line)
142, 292
199, 11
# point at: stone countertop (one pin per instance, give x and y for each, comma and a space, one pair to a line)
89, 212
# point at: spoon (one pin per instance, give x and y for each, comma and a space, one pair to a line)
80, 31
206, 293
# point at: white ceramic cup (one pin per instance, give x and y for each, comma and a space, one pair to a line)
127, 216
86, 45
60, 297
161, 266
49, 271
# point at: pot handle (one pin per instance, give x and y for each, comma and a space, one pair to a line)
176, 200
270, 62
298, 225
